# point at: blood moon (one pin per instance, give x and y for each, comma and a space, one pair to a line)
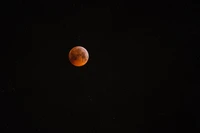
78, 56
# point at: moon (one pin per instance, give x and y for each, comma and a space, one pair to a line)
78, 56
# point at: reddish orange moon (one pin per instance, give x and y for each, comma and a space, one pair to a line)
78, 56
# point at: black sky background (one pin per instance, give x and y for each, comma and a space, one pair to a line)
142, 75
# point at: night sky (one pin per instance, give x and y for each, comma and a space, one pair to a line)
142, 75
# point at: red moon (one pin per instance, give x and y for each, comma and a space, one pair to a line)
78, 56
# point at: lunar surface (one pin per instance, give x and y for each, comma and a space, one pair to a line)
78, 56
